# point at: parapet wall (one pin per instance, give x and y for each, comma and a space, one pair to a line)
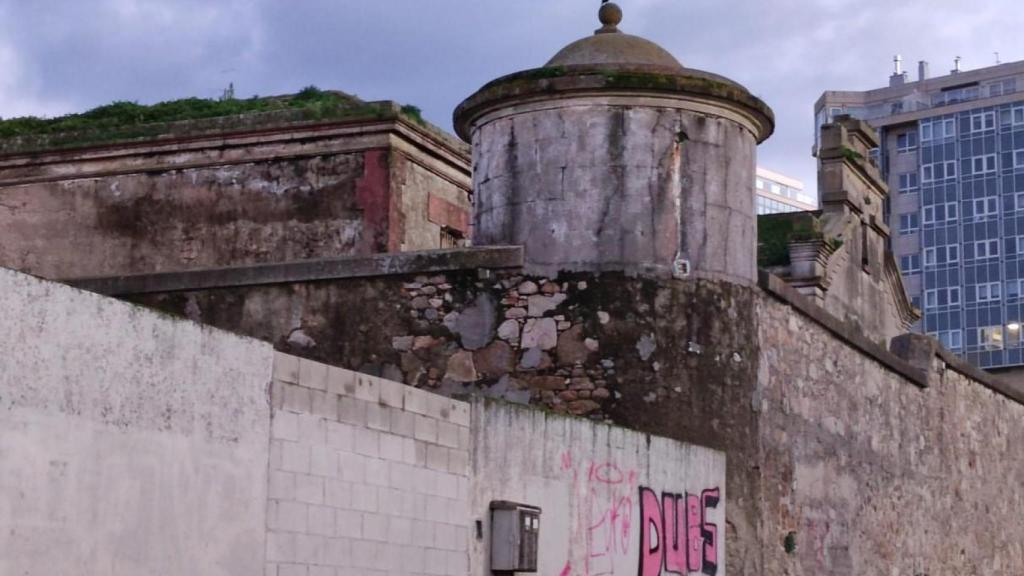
845, 457
271, 194
143, 444
874, 473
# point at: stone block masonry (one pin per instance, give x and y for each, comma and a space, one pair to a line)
366, 476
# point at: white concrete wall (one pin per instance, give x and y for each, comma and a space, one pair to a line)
368, 476
130, 443
588, 479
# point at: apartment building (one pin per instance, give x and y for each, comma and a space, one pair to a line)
953, 155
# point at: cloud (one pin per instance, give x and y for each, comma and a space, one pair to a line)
63, 55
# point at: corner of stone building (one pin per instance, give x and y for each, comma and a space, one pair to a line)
839, 256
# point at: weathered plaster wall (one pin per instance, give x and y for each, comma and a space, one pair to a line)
607, 183
165, 207
427, 201
180, 219
613, 501
130, 442
873, 475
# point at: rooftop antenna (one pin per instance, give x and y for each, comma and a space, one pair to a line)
956, 65
998, 62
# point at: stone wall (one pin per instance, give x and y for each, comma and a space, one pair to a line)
868, 473
291, 193
130, 442
836, 451
612, 183
612, 501
367, 476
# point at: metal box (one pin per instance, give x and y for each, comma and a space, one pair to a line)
514, 537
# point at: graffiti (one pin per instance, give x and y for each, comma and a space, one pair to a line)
675, 534
604, 511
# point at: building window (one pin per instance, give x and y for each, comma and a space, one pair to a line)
906, 142
1014, 245
1013, 334
910, 264
951, 339
760, 184
908, 183
1012, 289
1018, 158
985, 207
986, 249
991, 337
940, 255
989, 292
940, 213
942, 297
938, 129
938, 171
982, 122
909, 223
982, 164
451, 238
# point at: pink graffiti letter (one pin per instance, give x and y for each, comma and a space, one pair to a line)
674, 517
709, 532
652, 534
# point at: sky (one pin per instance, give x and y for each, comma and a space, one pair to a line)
63, 56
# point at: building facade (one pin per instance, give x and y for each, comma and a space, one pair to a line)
952, 151
778, 194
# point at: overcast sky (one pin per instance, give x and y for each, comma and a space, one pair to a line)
60, 56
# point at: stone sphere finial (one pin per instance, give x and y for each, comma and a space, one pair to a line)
610, 16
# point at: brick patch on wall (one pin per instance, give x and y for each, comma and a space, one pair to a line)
367, 476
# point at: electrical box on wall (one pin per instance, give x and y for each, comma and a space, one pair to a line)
514, 537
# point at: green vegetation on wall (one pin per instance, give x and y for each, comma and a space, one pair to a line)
776, 231
129, 120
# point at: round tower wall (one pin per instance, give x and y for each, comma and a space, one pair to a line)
651, 185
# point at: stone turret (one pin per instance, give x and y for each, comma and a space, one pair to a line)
613, 156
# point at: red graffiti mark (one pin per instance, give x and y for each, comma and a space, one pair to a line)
604, 509
675, 535
567, 570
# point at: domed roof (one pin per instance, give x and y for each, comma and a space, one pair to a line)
614, 63
610, 47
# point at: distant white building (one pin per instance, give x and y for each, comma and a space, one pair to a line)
777, 193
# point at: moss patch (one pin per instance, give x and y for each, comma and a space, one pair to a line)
128, 120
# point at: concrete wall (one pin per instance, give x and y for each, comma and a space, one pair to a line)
130, 442
287, 194
601, 489
615, 183
367, 476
